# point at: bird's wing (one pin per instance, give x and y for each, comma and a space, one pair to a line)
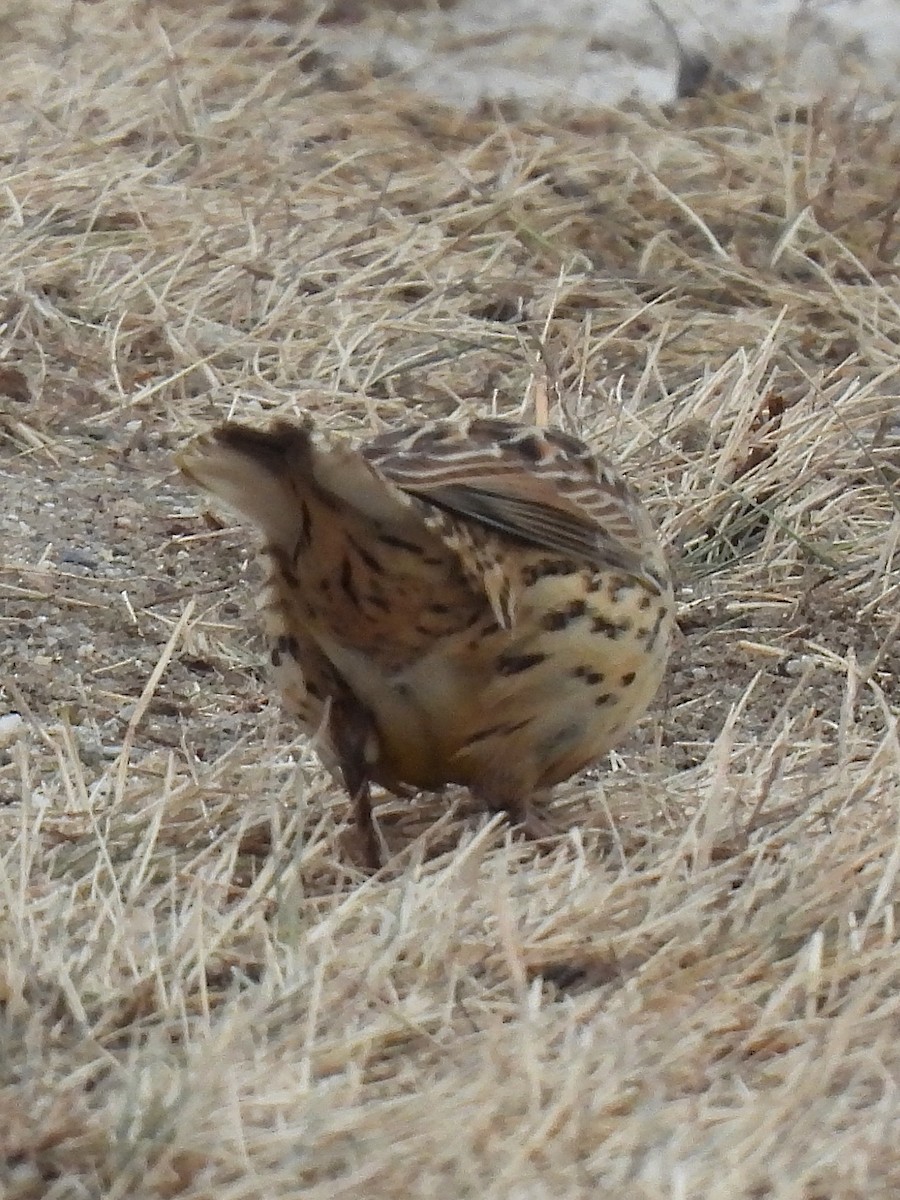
537, 486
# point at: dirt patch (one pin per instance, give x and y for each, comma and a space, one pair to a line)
199, 993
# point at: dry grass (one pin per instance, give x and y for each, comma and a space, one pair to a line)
695, 992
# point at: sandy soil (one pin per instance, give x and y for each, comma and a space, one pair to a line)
692, 991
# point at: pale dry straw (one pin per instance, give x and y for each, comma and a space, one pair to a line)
695, 992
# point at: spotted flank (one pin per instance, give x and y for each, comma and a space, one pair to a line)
479, 603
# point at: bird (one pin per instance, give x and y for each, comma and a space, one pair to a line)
474, 602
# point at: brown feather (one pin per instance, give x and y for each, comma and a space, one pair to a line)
537, 486
477, 602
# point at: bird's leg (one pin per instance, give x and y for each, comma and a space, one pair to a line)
361, 800
352, 732
515, 799
533, 824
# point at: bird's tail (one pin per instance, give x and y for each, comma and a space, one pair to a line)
253, 471
265, 474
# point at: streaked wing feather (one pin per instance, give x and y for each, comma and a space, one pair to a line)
539, 524
538, 486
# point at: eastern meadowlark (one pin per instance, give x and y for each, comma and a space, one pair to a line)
479, 603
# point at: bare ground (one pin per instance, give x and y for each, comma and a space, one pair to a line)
692, 992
